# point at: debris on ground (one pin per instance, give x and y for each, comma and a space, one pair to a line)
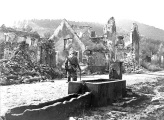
131, 66
144, 101
21, 69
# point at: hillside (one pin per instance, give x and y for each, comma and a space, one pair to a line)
145, 30
43, 26
123, 27
53, 24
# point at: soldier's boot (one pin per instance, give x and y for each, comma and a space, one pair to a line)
69, 79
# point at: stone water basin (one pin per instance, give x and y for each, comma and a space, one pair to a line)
104, 91
59, 109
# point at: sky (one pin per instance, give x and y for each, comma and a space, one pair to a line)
149, 12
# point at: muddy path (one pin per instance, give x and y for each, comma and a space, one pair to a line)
145, 100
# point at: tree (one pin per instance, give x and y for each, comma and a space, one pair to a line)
149, 47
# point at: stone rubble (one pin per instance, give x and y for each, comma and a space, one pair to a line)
21, 69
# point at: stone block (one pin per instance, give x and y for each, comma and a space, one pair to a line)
115, 71
74, 87
100, 69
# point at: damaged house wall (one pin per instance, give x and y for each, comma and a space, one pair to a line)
10, 44
110, 34
65, 39
159, 57
96, 49
12, 37
2, 45
120, 44
135, 38
84, 33
47, 53
97, 55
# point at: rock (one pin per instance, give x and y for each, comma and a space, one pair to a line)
161, 89
31, 79
157, 100
12, 77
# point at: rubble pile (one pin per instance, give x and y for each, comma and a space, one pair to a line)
20, 69
49, 72
143, 101
131, 66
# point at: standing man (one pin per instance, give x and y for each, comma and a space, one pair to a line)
71, 65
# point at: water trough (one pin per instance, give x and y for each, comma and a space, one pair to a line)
59, 109
104, 91
81, 95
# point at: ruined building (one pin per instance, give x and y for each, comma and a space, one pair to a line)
97, 54
82, 31
110, 34
160, 56
120, 44
90, 47
135, 38
12, 37
66, 39
95, 50
47, 53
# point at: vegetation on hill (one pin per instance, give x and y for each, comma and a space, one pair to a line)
123, 26
149, 47
151, 37
53, 24
145, 30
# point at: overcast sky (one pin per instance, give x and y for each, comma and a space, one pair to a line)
145, 11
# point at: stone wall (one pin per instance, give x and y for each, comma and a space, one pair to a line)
135, 38
97, 69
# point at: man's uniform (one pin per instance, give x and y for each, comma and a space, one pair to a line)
71, 65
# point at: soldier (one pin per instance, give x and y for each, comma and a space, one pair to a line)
71, 65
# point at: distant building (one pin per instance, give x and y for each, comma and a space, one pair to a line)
91, 49
82, 31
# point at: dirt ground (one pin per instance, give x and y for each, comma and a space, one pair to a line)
146, 104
